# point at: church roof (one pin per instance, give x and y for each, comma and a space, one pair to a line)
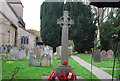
15, 2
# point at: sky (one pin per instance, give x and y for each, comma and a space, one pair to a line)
31, 13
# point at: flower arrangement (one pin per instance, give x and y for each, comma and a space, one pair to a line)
65, 63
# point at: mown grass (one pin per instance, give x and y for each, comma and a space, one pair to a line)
102, 64
116, 73
28, 72
81, 71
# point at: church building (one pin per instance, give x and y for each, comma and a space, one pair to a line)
12, 26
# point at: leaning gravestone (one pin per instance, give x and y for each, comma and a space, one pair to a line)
58, 50
96, 56
110, 55
46, 60
33, 61
103, 55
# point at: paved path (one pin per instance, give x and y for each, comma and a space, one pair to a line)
110, 68
96, 71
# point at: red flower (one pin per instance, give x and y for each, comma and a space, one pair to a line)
52, 75
65, 63
73, 75
62, 77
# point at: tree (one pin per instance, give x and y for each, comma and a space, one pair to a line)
108, 29
101, 15
50, 31
83, 31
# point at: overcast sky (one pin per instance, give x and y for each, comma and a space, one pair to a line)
31, 13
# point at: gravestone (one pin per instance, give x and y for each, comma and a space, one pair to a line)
13, 53
103, 55
46, 60
38, 51
17, 54
29, 52
47, 55
41, 51
96, 56
110, 55
58, 50
70, 49
65, 22
3, 53
21, 54
33, 61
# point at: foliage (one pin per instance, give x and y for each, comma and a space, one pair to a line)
74, 52
50, 31
108, 29
70, 43
82, 32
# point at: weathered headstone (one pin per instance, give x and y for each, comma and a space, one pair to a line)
17, 54
103, 55
46, 60
58, 50
110, 55
3, 53
38, 51
33, 61
13, 53
47, 55
96, 56
70, 49
65, 22
21, 54
41, 51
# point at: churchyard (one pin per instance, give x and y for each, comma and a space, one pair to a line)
62, 62
30, 72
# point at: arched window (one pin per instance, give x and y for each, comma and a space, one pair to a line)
24, 40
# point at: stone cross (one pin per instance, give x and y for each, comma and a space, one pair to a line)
65, 22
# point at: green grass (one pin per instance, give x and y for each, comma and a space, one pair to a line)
74, 52
102, 64
81, 71
0, 70
116, 73
28, 72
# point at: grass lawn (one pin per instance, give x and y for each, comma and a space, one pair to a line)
102, 64
116, 73
28, 72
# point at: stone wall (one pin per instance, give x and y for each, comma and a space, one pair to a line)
11, 35
7, 32
31, 37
